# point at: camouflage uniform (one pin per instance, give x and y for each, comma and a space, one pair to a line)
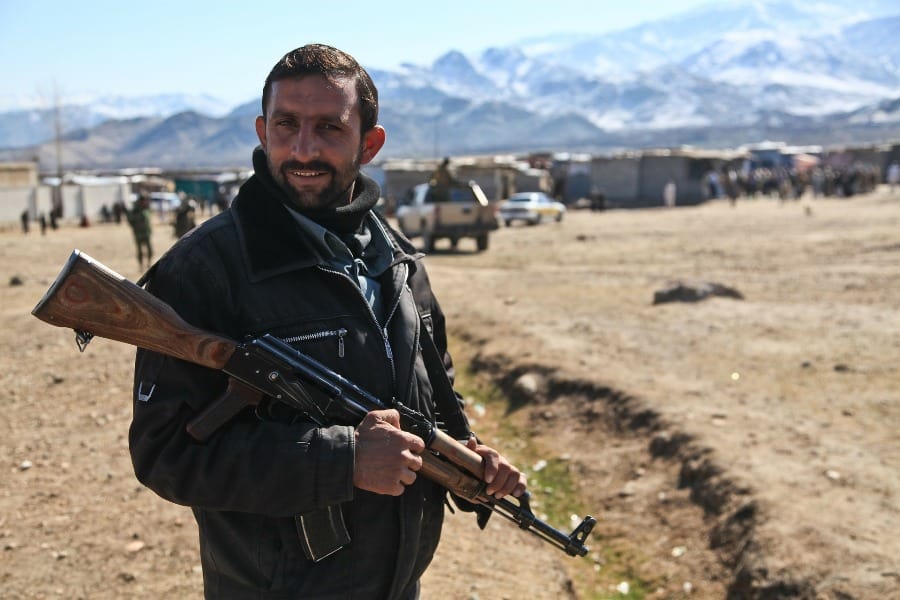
139, 220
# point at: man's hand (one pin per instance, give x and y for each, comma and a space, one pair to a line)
501, 477
387, 457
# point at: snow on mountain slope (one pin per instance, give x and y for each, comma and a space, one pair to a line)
731, 63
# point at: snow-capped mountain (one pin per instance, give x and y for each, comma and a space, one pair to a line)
121, 107
35, 120
658, 42
830, 74
723, 63
716, 75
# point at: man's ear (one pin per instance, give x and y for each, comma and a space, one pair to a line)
372, 142
261, 130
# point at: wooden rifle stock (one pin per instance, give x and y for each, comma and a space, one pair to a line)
92, 299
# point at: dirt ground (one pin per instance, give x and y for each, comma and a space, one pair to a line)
729, 447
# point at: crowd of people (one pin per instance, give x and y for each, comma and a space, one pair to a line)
788, 183
139, 217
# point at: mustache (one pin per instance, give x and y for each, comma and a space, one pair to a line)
315, 165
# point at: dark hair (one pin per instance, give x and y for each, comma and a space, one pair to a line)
330, 63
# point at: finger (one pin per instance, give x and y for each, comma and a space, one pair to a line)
504, 483
396, 489
491, 462
495, 487
389, 415
408, 477
414, 443
521, 486
413, 461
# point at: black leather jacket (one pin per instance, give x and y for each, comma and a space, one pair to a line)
248, 271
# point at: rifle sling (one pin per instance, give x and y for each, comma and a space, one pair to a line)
456, 424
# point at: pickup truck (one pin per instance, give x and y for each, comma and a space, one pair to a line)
453, 212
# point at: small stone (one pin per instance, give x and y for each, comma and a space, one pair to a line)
530, 383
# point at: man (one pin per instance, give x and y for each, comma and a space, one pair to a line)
442, 175
441, 180
140, 221
893, 175
301, 255
184, 217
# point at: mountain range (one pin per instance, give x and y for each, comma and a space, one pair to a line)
719, 76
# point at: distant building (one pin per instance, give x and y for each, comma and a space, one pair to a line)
637, 179
18, 174
21, 190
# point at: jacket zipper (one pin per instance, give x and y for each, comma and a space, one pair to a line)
384, 335
321, 335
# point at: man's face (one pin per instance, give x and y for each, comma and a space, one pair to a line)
313, 140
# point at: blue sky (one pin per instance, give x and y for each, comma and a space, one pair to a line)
226, 48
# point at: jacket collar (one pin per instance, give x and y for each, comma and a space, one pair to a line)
271, 240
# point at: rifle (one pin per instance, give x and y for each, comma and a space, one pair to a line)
94, 300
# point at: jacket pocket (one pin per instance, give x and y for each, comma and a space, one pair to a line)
324, 335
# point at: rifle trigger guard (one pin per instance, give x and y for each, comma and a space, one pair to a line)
82, 339
526, 518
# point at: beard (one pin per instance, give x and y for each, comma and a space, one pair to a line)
335, 194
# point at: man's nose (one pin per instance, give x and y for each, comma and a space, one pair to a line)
306, 145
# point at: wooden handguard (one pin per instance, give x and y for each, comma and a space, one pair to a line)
452, 478
457, 453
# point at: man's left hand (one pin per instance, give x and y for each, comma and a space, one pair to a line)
501, 476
